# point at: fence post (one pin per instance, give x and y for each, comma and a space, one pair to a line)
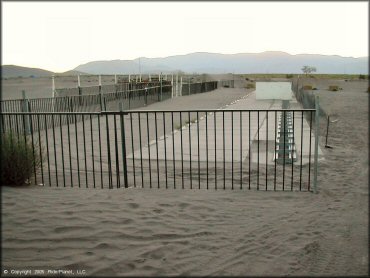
102, 101
123, 139
172, 88
25, 109
53, 90
160, 80
181, 86
115, 84
317, 116
189, 86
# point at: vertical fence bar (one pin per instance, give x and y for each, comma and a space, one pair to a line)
55, 150
61, 143
84, 144
317, 128
40, 150
241, 149
292, 152
258, 150
249, 150
207, 147
285, 138
92, 150
108, 151
300, 168
123, 147
118, 180
78, 160
173, 150
150, 168
275, 139
198, 150
182, 153
141, 151
100, 153
47, 148
267, 142
309, 154
232, 150
132, 149
191, 176
32, 142
165, 146
223, 147
156, 146
214, 125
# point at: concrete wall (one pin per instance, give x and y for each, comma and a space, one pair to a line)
274, 90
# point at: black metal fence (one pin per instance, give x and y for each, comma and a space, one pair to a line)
203, 149
90, 103
305, 97
199, 87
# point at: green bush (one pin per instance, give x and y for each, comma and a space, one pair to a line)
18, 161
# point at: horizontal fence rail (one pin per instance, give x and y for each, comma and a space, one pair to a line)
192, 149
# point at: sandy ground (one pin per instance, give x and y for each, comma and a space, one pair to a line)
206, 232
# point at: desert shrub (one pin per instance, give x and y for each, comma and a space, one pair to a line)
251, 86
289, 76
333, 88
18, 161
307, 87
361, 76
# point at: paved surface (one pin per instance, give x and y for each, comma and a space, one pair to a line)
235, 134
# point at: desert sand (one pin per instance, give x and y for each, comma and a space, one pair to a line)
156, 232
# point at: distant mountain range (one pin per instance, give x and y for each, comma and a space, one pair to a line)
17, 71
203, 62
8, 71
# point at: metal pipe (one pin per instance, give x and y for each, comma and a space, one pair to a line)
317, 117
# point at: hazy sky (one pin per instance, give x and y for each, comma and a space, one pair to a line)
58, 36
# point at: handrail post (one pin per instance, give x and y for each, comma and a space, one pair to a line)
123, 138
317, 116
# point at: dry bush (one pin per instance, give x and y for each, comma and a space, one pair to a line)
251, 86
307, 87
18, 160
333, 88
